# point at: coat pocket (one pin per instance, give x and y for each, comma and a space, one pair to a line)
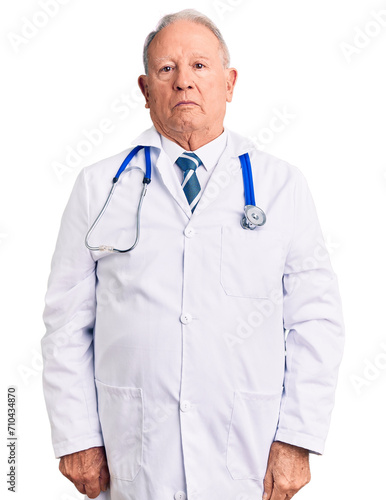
121, 416
251, 262
251, 432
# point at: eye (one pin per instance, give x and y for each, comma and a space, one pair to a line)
166, 69
199, 65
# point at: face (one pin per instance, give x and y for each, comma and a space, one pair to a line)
187, 86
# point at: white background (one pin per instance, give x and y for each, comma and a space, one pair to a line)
74, 72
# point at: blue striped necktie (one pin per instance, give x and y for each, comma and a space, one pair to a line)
188, 162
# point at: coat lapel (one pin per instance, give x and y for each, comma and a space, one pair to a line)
171, 182
165, 169
225, 172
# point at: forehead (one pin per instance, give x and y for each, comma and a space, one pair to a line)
184, 38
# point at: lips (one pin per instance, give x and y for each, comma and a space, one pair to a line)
185, 103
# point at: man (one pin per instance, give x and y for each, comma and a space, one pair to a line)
203, 363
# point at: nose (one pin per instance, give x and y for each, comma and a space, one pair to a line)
183, 79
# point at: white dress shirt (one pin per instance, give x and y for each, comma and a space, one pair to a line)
209, 154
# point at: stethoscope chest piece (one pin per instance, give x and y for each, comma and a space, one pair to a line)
253, 217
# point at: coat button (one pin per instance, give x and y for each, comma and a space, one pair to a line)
180, 495
185, 318
189, 232
185, 405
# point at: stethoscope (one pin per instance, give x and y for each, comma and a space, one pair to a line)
253, 215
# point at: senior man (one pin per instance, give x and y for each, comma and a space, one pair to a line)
201, 364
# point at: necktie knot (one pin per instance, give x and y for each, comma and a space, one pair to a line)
188, 161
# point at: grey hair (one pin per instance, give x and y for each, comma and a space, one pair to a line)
186, 15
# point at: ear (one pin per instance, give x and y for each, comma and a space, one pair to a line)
142, 82
231, 78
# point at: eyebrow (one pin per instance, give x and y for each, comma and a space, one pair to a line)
162, 58
169, 58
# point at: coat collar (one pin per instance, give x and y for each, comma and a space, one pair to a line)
236, 146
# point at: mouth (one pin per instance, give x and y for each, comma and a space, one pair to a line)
186, 103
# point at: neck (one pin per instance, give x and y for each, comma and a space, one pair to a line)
192, 140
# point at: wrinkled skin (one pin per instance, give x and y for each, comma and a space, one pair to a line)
187, 86
87, 469
288, 471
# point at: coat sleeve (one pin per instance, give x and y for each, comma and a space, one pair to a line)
67, 346
312, 317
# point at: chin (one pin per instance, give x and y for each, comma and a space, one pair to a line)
187, 125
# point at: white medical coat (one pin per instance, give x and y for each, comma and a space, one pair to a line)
189, 355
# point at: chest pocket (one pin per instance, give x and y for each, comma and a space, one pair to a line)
251, 262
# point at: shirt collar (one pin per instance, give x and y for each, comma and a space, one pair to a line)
236, 143
209, 154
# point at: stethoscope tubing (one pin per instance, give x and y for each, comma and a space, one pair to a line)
247, 178
100, 215
146, 181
